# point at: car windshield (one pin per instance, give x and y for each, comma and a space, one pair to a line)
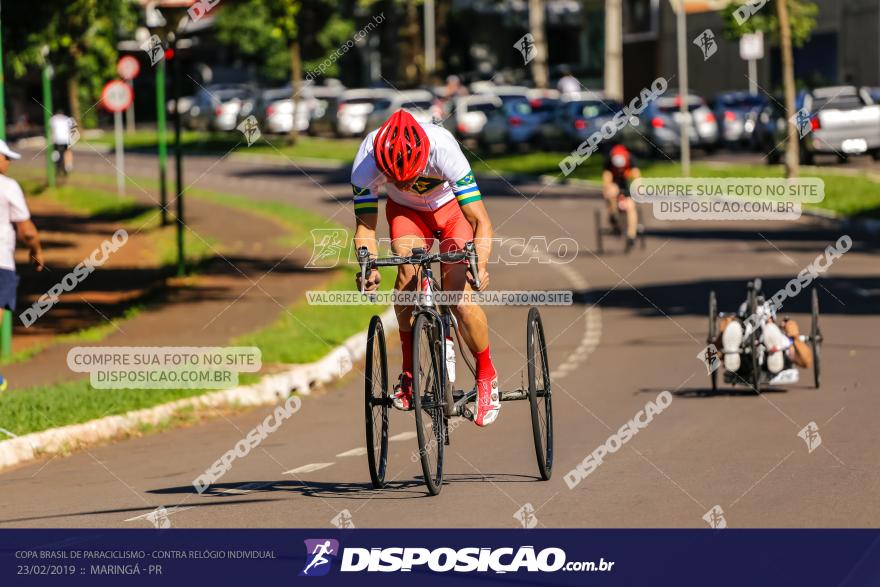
593, 108
354, 101
839, 102
672, 105
226, 95
519, 107
741, 101
481, 107
417, 105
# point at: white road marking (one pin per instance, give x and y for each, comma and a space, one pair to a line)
308, 468
168, 511
355, 452
244, 489
403, 436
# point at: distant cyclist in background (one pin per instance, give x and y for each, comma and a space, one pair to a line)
619, 172
430, 188
62, 127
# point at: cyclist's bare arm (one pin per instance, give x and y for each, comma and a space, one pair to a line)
478, 217
365, 236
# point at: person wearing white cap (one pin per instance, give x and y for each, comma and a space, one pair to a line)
63, 132
15, 221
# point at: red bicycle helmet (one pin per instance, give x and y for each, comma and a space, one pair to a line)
620, 158
401, 147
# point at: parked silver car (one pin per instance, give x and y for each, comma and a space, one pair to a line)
346, 115
416, 102
274, 111
659, 126
467, 115
220, 107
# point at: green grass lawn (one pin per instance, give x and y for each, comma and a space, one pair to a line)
199, 142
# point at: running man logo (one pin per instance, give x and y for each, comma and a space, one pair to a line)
526, 46
706, 42
710, 357
320, 553
715, 518
810, 435
526, 516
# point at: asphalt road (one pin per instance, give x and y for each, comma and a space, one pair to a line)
634, 331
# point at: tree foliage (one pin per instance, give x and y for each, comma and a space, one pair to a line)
80, 36
802, 15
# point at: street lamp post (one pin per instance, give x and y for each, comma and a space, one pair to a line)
684, 125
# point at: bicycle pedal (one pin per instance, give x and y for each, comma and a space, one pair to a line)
467, 414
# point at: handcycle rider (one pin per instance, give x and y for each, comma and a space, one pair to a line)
619, 171
430, 188
781, 339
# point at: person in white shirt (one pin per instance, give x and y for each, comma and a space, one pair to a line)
63, 130
568, 84
15, 221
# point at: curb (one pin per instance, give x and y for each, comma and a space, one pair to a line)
270, 389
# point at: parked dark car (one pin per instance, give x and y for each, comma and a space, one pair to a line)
574, 120
736, 113
512, 126
659, 130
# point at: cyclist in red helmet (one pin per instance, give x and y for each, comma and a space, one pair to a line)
431, 189
620, 170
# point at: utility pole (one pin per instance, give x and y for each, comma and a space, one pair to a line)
162, 141
47, 114
614, 49
430, 39
685, 121
178, 158
536, 27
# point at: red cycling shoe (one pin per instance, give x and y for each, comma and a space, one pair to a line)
402, 399
488, 401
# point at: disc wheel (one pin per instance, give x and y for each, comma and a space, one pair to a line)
540, 396
713, 336
428, 398
376, 402
815, 337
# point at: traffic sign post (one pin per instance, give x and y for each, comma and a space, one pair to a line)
751, 48
128, 68
116, 97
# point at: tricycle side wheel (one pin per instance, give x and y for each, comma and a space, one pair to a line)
540, 396
815, 337
376, 401
428, 403
713, 334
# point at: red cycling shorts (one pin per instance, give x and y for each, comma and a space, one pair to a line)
454, 229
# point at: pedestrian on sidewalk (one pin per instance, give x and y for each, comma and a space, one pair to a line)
13, 211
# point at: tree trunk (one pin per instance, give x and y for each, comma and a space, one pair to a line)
416, 63
73, 97
614, 49
296, 87
536, 28
792, 149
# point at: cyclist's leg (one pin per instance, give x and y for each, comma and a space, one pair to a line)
455, 231
408, 231
632, 218
730, 341
610, 192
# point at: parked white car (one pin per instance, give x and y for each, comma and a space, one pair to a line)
844, 120
416, 102
468, 114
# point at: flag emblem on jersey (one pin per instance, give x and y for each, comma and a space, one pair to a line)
466, 180
424, 184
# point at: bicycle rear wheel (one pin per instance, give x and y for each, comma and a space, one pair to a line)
540, 398
376, 401
428, 401
713, 335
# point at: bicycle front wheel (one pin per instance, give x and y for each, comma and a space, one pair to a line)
376, 402
428, 398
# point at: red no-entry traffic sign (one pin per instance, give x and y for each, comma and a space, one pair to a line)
116, 96
128, 67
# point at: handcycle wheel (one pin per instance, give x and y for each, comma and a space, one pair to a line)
428, 398
597, 222
376, 401
540, 396
815, 336
752, 305
713, 335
